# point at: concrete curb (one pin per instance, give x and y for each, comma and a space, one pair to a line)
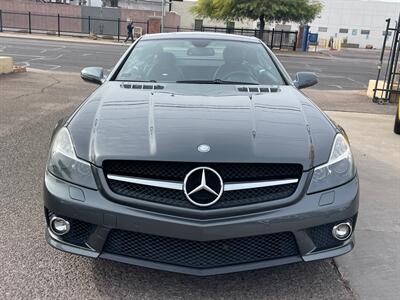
6, 64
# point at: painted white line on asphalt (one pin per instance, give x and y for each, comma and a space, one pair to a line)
43, 51
336, 86
331, 76
58, 49
44, 58
25, 55
50, 67
358, 82
86, 54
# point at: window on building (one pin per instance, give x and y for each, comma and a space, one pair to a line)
114, 3
198, 24
364, 31
343, 30
354, 32
322, 29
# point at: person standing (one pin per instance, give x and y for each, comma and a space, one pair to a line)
129, 28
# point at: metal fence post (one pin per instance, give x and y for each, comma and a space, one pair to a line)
58, 25
393, 61
1, 20
119, 28
29, 22
272, 38
89, 24
295, 41
280, 43
177, 28
381, 60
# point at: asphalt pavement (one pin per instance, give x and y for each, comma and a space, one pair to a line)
337, 70
31, 104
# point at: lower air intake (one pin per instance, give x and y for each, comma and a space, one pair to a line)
198, 254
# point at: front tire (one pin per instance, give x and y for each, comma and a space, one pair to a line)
397, 120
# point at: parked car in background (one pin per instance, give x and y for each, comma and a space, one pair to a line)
198, 154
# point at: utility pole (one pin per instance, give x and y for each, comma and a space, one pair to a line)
162, 14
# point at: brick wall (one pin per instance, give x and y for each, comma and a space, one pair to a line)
140, 18
39, 21
70, 17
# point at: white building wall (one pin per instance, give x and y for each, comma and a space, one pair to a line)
141, 4
356, 15
131, 4
187, 17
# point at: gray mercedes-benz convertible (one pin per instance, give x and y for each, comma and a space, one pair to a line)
198, 154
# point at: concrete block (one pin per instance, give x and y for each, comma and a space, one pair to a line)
6, 64
381, 85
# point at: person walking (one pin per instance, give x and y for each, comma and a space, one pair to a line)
129, 28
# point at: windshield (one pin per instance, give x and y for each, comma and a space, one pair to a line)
200, 61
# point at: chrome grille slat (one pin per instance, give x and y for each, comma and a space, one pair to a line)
179, 185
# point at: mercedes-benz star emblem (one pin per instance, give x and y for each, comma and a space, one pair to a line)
204, 148
203, 186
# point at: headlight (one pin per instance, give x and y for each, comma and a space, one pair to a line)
337, 171
64, 164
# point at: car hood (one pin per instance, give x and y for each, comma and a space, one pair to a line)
169, 125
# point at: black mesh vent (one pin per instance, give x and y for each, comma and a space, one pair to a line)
79, 231
198, 254
322, 235
176, 171
177, 198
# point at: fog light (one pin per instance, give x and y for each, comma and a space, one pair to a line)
59, 226
342, 231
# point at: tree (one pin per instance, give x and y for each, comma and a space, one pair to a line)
300, 11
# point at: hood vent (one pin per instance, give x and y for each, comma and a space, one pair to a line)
252, 89
140, 86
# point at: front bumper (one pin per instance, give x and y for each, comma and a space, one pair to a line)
308, 220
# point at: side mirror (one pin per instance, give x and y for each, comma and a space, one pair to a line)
93, 75
305, 79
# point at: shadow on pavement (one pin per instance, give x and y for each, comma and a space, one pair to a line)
304, 280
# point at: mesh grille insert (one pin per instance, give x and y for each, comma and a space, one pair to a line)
177, 198
198, 254
322, 235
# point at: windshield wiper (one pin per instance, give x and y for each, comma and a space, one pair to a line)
217, 81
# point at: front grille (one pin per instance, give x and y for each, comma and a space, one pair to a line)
176, 171
198, 254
